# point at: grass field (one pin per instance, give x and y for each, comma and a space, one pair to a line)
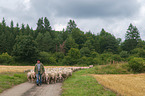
126, 85
84, 85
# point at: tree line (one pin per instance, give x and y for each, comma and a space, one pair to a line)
69, 46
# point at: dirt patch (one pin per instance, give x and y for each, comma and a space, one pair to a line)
31, 89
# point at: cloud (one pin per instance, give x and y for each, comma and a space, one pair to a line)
112, 15
86, 8
97, 8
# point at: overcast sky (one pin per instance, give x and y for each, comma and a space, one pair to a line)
112, 15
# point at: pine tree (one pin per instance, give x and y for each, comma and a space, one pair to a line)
40, 26
47, 26
22, 29
27, 32
132, 33
12, 27
71, 25
131, 38
3, 25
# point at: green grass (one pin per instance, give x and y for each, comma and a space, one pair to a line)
83, 85
108, 69
7, 80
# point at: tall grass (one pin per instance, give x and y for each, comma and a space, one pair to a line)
108, 69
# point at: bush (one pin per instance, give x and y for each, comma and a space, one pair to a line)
82, 61
130, 57
5, 58
88, 61
94, 54
47, 58
74, 53
141, 53
116, 57
85, 51
124, 54
136, 64
135, 51
69, 61
59, 56
106, 58
72, 57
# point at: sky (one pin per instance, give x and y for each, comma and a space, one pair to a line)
114, 16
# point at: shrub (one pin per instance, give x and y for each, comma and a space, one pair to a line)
5, 58
82, 61
124, 54
85, 51
106, 58
69, 61
88, 61
141, 53
94, 54
74, 53
59, 56
136, 64
72, 57
130, 57
116, 57
47, 58
135, 51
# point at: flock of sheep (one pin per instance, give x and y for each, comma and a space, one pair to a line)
54, 75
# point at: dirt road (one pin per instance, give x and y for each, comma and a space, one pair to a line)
30, 89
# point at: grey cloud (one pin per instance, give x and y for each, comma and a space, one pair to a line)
96, 8
87, 8
88, 14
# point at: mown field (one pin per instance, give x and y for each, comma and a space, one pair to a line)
4, 68
126, 85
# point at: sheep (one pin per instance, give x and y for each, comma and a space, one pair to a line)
31, 75
60, 77
90, 66
47, 78
53, 75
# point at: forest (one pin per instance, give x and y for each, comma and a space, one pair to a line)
71, 46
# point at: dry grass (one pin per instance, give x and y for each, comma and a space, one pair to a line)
126, 85
21, 68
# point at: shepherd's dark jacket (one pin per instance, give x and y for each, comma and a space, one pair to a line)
41, 68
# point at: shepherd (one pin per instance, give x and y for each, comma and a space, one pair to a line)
39, 70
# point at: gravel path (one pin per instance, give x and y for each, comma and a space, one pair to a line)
31, 89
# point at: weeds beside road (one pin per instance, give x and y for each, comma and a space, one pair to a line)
7, 80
